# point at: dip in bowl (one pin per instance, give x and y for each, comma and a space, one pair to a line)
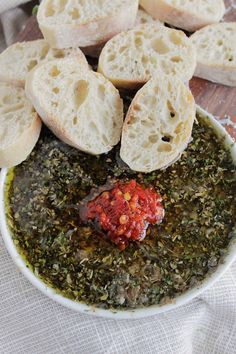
72, 262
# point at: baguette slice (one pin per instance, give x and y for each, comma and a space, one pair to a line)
18, 59
216, 53
142, 18
81, 107
131, 58
186, 14
19, 126
69, 23
158, 125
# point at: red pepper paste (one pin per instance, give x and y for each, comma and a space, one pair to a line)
125, 212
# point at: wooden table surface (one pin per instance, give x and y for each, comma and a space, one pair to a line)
217, 99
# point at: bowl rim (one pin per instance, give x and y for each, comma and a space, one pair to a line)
127, 313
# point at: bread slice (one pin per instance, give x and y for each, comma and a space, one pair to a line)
216, 53
19, 126
142, 18
18, 59
185, 14
131, 58
158, 124
69, 23
80, 106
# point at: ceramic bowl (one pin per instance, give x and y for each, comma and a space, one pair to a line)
124, 314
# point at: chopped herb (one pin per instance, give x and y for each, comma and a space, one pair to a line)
35, 10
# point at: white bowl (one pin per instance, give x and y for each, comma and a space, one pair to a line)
120, 314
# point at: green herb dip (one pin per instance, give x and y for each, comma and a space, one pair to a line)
199, 201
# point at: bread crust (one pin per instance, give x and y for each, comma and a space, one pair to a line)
91, 33
215, 47
18, 151
218, 74
142, 17
16, 59
180, 17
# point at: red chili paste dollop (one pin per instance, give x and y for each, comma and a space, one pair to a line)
125, 212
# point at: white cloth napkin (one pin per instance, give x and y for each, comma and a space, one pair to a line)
10, 4
30, 323
12, 20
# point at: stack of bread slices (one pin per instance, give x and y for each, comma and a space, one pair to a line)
138, 50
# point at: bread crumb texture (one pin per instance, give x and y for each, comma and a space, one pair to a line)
131, 58
158, 125
16, 114
186, 14
80, 106
205, 7
216, 44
